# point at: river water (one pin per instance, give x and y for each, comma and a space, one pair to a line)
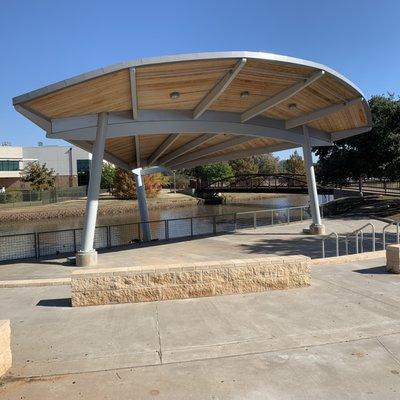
288, 200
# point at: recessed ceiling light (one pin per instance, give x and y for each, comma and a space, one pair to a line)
244, 94
174, 95
292, 106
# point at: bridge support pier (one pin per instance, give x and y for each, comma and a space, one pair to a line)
316, 228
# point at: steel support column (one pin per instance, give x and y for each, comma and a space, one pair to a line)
142, 202
316, 227
87, 255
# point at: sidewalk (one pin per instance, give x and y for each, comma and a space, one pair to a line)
339, 338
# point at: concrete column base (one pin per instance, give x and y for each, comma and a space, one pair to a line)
393, 258
315, 230
86, 258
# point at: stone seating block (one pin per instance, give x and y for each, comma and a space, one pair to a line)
183, 281
393, 258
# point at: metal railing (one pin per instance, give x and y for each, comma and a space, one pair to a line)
54, 243
358, 234
375, 186
391, 223
326, 238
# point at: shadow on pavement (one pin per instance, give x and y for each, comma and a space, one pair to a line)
310, 246
372, 270
65, 302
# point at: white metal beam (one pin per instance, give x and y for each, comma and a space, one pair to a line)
152, 170
235, 155
212, 149
132, 77
318, 114
311, 181
35, 117
186, 147
92, 200
142, 202
137, 151
181, 121
281, 96
338, 135
84, 145
164, 146
218, 89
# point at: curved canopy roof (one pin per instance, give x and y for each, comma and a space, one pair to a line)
187, 110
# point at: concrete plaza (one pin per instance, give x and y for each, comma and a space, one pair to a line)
337, 339
263, 241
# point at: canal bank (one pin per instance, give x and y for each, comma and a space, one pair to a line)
111, 211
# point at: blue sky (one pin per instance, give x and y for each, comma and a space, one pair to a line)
42, 41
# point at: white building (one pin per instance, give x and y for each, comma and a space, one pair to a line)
67, 162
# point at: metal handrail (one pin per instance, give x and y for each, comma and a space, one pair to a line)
337, 243
384, 233
272, 211
359, 233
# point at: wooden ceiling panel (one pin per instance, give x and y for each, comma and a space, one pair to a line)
181, 141
253, 144
352, 117
150, 143
261, 83
220, 138
263, 67
316, 97
122, 147
306, 101
192, 80
107, 93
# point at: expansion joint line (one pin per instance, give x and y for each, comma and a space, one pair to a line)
393, 356
159, 335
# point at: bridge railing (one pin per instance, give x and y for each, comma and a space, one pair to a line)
251, 181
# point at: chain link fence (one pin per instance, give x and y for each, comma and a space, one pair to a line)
67, 241
22, 198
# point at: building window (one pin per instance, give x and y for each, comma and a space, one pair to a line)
83, 169
83, 165
9, 165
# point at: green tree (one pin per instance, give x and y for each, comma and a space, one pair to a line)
212, 172
375, 154
244, 166
294, 164
267, 164
39, 176
107, 176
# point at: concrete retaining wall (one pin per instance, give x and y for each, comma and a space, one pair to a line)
5, 346
169, 282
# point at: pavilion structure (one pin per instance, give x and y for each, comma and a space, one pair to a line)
173, 112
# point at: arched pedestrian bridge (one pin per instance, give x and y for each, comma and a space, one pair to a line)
274, 183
